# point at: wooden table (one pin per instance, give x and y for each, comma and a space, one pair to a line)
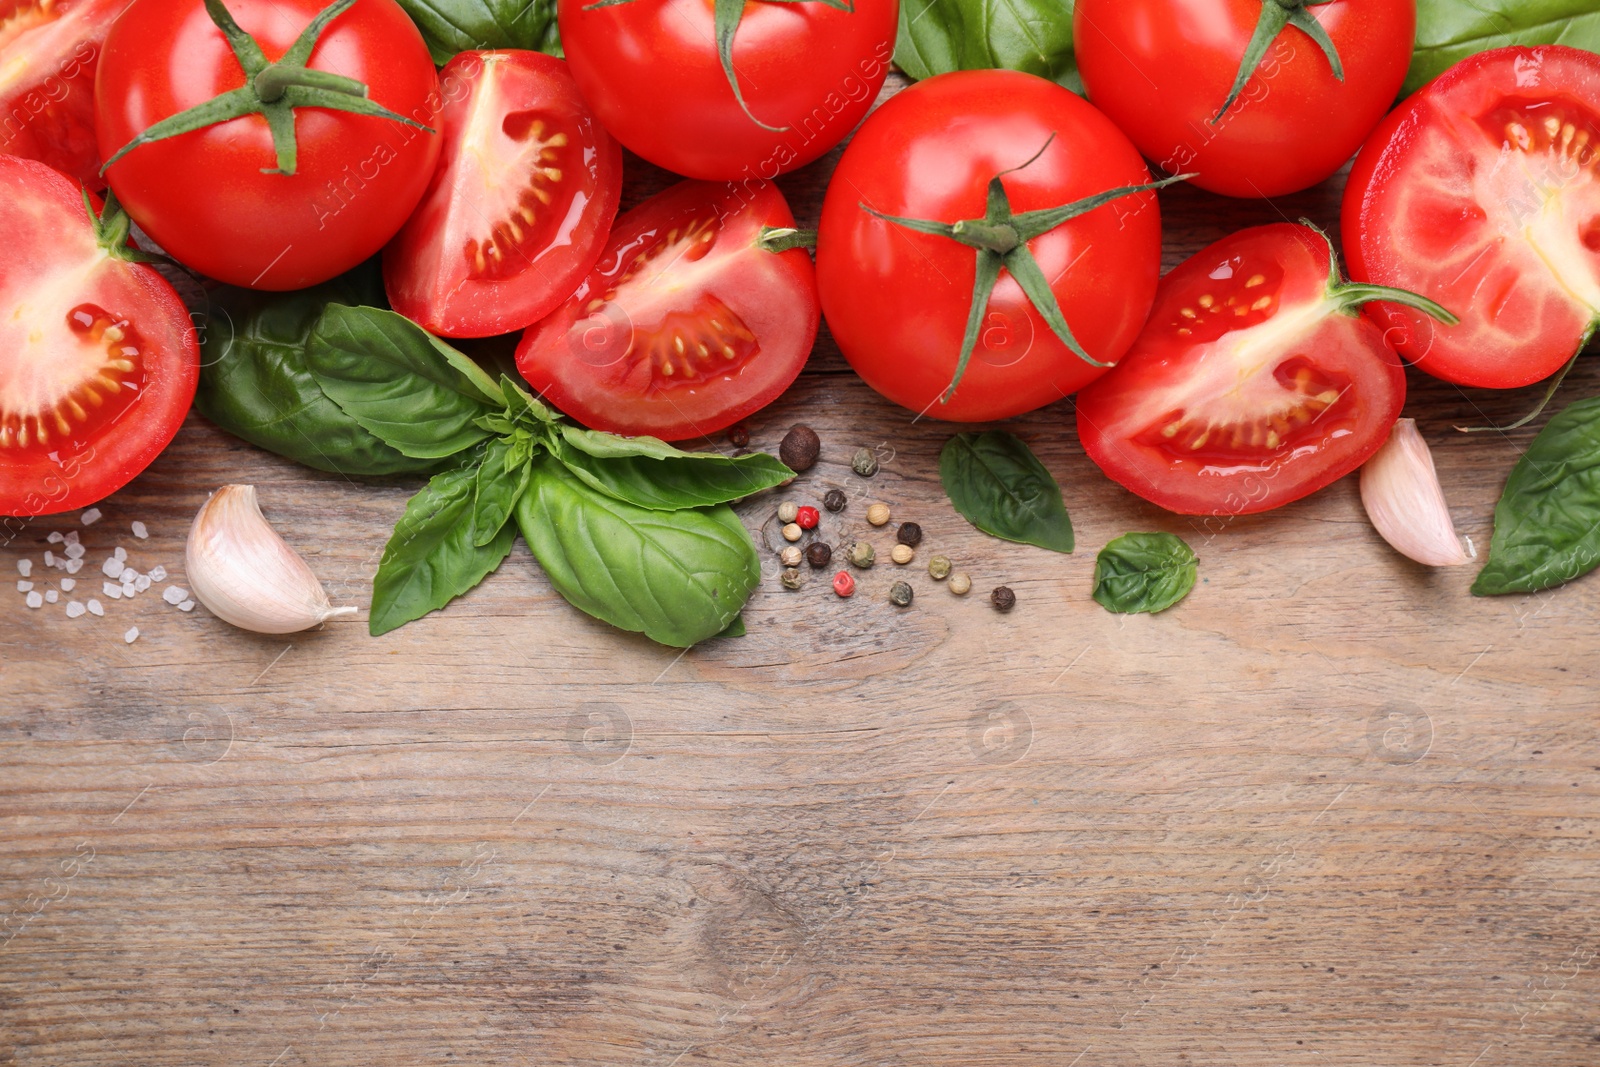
1331, 809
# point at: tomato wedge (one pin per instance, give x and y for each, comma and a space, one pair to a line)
686, 324
1482, 191
520, 206
1256, 381
48, 53
98, 360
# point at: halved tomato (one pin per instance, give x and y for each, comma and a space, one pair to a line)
1256, 381
687, 324
1482, 191
520, 206
98, 360
48, 52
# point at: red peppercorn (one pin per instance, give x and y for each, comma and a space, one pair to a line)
843, 584
807, 518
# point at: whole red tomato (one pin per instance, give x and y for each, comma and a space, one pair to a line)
211, 198
899, 301
652, 72
1163, 69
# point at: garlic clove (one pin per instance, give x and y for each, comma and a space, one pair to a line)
247, 575
1400, 490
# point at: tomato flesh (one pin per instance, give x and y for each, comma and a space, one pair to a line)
520, 206
48, 52
685, 325
98, 359
1482, 191
1248, 388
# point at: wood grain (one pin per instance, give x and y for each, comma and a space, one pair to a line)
1330, 809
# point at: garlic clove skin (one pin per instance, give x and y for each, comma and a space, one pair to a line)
247, 575
1400, 490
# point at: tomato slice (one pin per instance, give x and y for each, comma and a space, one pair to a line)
520, 206
686, 325
1252, 385
1482, 191
48, 52
98, 360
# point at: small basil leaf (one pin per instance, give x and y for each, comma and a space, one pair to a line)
1449, 31
502, 479
520, 402
612, 446
1547, 523
678, 577
938, 36
1144, 572
433, 555
998, 484
387, 373
255, 381
451, 26
685, 480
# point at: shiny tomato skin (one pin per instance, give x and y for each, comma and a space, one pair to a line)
203, 196
897, 301
1163, 68
1270, 395
683, 285
527, 179
82, 410
1445, 201
650, 70
48, 52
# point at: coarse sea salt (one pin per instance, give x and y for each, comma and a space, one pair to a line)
141, 583
55, 537
187, 605
71, 538
25, 567
140, 530
112, 590
90, 517
68, 584
112, 568
158, 573
49, 558
132, 635
128, 590
128, 575
35, 600
95, 608
120, 552
174, 594
74, 609
23, 586
74, 566
51, 596
75, 551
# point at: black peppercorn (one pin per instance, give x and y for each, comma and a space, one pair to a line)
818, 554
799, 448
834, 500
1003, 598
738, 435
909, 534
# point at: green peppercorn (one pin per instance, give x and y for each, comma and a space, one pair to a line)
862, 555
900, 594
909, 534
818, 554
939, 568
864, 462
1003, 598
835, 500
791, 578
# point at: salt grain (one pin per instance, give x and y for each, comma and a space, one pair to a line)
23, 587
112, 568
25, 567
128, 575
175, 595
55, 537
35, 600
90, 517
49, 559
158, 573
74, 566
120, 552
187, 605
51, 596
75, 551
140, 530
68, 584
132, 635
141, 583
128, 590
112, 590
71, 538
74, 609
95, 608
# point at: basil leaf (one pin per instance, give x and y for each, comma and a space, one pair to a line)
678, 577
734, 628
255, 381
673, 482
388, 374
520, 402
1449, 31
613, 446
1144, 572
451, 26
998, 484
433, 555
501, 480
938, 36
1547, 523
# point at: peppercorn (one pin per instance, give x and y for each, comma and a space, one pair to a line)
843, 584
792, 532
902, 554
791, 578
878, 514
862, 555
864, 462
738, 435
960, 584
787, 511
818, 554
791, 556
939, 568
900, 594
807, 518
1003, 598
799, 448
909, 534
835, 500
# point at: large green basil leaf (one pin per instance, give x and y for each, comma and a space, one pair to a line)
1449, 31
255, 381
678, 577
433, 555
451, 26
1144, 572
502, 480
998, 484
662, 478
398, 381
1547, 524
937, 36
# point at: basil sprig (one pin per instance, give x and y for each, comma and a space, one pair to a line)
1547, 523
1144, 572
631, 530
998, 484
